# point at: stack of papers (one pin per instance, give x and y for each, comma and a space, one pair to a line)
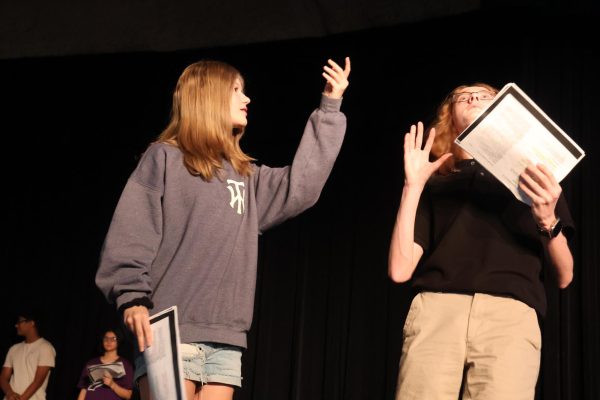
512, 132
163, 361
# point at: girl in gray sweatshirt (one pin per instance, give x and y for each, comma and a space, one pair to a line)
185, 230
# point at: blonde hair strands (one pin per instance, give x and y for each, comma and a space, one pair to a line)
200, 124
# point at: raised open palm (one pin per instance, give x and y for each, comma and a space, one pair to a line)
417, 167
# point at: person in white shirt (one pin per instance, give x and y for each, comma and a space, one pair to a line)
27, 366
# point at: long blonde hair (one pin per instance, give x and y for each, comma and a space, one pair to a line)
446, 132
201, 125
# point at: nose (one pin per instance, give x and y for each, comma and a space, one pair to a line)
246, 99
473, 97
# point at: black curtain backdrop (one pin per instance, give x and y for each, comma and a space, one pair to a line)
33, 28
328, 321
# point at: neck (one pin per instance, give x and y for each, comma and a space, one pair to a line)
110, 355
463, 155
31, 337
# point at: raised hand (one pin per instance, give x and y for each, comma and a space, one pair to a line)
417, 167
337, 78
540, 185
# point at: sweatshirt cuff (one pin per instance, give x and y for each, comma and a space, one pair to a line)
140, 301
125, 299
330, 105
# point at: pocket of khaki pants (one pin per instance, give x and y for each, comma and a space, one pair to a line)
413, 311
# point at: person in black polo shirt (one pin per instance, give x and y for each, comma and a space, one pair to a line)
480, 254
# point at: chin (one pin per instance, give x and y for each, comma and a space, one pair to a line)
475, 113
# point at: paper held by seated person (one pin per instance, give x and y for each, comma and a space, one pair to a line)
512, 132
163, 361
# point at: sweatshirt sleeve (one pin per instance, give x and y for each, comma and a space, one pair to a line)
282, 193
135, 233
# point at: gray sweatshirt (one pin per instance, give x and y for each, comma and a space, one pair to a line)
180, 240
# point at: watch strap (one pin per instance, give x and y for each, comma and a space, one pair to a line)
553, 231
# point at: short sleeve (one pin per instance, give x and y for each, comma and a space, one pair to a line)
46, 356
8, 361
84, 380
127, 380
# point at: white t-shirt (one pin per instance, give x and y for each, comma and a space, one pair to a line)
24, 358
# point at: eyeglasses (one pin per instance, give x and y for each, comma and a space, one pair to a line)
481, 95
109, 338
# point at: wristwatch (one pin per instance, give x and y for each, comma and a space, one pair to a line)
553, 231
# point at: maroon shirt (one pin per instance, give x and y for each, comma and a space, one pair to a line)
103, 392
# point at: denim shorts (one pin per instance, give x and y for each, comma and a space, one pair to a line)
205, 362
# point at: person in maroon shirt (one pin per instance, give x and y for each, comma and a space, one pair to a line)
110, 388
476, 256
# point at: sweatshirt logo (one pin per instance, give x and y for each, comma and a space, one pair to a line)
237, 195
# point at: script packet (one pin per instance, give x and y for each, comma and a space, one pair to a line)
512, 132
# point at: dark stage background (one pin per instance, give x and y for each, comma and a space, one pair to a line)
328, 321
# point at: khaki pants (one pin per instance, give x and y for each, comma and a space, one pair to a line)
491, 343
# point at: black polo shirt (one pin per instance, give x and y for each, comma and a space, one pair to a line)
478, 237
